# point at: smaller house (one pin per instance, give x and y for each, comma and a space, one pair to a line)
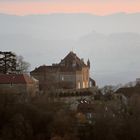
18, 84
138, 82
129, 91
85, 109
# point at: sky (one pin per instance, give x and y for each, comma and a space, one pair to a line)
98, 7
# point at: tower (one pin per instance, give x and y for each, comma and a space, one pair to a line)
88, 63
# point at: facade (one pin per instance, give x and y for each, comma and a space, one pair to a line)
70, 73
138, 81
18, 84
85, 110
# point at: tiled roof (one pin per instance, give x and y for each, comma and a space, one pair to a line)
66, 64
15, 79
45, 69
85, 107
71, 58
129, 91
39, 69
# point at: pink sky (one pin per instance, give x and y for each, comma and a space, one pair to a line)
99, 7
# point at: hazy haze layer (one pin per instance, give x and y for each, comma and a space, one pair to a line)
112, 43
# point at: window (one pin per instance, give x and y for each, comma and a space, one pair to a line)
62, 78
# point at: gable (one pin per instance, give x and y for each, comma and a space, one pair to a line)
71, 60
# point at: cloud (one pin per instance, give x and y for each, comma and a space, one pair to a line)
98, 7
73, 1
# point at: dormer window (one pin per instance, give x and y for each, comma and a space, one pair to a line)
62, 63
74, 63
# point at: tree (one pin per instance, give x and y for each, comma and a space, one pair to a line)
11, 63
18, 128
22, 66
7, 62
108, 89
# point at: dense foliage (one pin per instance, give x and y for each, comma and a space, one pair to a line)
48, 120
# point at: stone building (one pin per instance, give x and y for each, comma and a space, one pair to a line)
138, 81
18, 84
70, 73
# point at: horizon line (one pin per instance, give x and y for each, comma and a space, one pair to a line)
69, 13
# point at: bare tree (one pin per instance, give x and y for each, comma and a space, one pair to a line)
108, 89
22, 66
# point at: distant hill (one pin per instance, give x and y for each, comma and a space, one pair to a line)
69, 26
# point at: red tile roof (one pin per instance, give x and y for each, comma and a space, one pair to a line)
15, 79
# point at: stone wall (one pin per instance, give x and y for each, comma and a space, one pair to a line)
13, 88
24, 90
82, 78
62, 80
67, 80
